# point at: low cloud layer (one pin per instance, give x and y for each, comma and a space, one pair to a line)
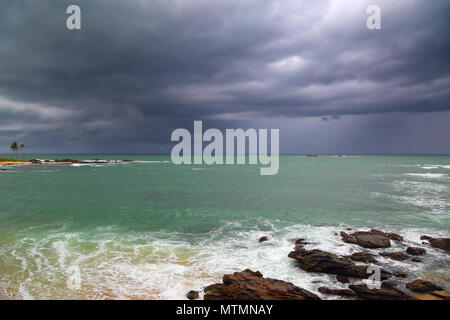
139, 69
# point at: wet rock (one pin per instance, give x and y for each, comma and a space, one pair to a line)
337, 292
385, 292
423, 286
250, 285
262, 239
391, 283
325, 262
348, 238
443, 294
416, 259
398, 256
363, 257
441, 243
300, 243
367, 239
415, 251
399, 274
391, 236
342, 279
192, 295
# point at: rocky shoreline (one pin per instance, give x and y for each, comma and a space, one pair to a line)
355, 271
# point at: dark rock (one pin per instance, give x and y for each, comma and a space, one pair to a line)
415, 251
192, 295
68, 161
325, 262
337, 292
249, 285
399, 274
262, 239
342, 279
399, 256
391, 283
348, 238
441, 243
394, 236
300, 243
367, 239
391, 236
423, 286
385, 292
363, 257
416, 259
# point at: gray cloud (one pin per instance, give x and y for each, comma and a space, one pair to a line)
139, 69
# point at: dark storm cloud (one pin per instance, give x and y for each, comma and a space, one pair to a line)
138, 69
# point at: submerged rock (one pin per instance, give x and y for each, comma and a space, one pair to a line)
262, 239
399, 256
192, 295
325, 262
250, 285
415, 251
367, 239
423, 286
385, 292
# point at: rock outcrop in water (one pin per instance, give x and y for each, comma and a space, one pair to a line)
440, 243
192, 295
250, 285
325, 262
370, 239
364, 256
398, 256
385, 292
423, 286
337, 292
415, 251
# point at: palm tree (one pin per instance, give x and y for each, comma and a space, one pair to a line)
15, 147
22, 146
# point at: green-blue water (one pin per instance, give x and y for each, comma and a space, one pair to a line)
150, 229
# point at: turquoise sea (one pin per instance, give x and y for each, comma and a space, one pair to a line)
148, 229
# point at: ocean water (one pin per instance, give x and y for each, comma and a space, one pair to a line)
148, 229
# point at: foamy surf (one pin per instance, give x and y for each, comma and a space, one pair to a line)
163, 266
427, 175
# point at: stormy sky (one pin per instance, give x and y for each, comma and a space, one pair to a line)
139, 69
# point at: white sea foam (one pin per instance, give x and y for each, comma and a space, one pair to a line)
427, 175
